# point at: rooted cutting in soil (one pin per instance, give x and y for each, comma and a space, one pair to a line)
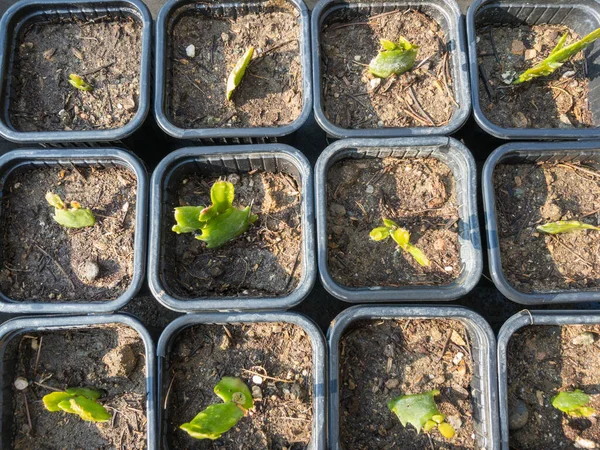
417, 193
265, 261
110, 358
279, 354
43, 261
380, 360
106, 52
557, 101
271, 91
542, 361
353, 98
528, 195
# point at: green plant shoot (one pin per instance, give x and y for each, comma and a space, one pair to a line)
78, 401
402, 237
395, 58
220, 418
77, 82
557, 57
420, 411
238, 72
565, 226
218, 223
573, 403
74, 217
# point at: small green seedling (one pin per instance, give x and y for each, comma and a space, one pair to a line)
557, 57
565, 226
395, 58
238, 72
218, 223
77, 82
402, 238
221, 417
78, 401
420, 411
74, 217
573, 403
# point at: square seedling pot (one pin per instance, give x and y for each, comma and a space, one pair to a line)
78, 160
16, 334
168, 369
27, 13
460, 161
532, 319
582, 17
530, 153
483, 396
213, 162
223, 132
446, 13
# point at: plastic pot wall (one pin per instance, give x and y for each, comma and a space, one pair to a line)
449, 151
19, 160
25, 12
510, 327
318, 359
447, 14
167, 16
529, 153
483, 385
212, 161
582, 16
12, 329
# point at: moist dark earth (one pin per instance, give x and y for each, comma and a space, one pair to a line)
270, 94
543, 361
528, 195
44, 261
419, 194
105, 52
265, 261
353, 98
382, 359
556, 101
280, 353
110, 358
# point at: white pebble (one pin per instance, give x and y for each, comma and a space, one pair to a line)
370, 189
448, 268
585, 443
257, 379
190, 51
458, 358
21, 383
357, 58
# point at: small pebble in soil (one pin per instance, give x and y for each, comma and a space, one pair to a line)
392, 383
357, 57
337, 209
91, 271
256, 379
256, 393
458, 358
517, 414
21, 383
190, 51
586, 338
370, 189
234, 178
120, 361
585, 443
225, 342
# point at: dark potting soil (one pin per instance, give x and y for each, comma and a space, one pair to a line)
110, 358
542, 361
353, 98
43, 261
528, 195
281, 353
557, 101
380, 360
105, 52
265, 261
419, 194
270, 94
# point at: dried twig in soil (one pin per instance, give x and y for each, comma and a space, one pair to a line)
57, 265
267, 377
421, 111
169, 391
573, 252
575, 167
37, 358
98, 69
27, 411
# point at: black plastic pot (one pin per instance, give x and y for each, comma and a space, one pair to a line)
449, 151
582, 16
225, 160
24, 13
18, 160
529, 153
483, 388
168, 15
13, 330
318, 359
510, 327
447, 14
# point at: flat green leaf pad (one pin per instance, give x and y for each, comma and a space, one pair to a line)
88, 409
237, 74
52, 400
214, 421
395, 58
187, 219
225, 227
565, 226
573, 403
92, 394
415, 409
74, 218
227, 389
